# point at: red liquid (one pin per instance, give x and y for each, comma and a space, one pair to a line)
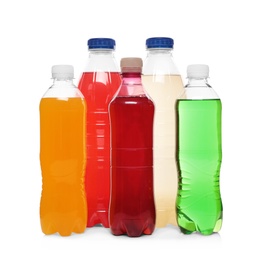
132, 209
98, 89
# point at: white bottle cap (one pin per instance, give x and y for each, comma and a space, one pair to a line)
199, 71
62, 72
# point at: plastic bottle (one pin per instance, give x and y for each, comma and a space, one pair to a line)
163, 84
132, 209
63, 155
99, 82
199, 205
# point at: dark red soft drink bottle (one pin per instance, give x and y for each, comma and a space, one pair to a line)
99, 82
132, 208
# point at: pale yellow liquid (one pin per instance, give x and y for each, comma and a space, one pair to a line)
164, 91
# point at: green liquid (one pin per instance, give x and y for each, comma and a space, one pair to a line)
199, 154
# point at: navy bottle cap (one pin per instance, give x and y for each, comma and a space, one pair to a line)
101, 43
159, 42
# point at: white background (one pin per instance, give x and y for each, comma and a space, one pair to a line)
38, 34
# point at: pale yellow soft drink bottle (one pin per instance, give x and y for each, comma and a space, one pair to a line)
163, 84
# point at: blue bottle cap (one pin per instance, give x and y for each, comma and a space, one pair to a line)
159, 42
101, 43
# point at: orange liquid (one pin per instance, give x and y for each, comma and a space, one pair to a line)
63, 161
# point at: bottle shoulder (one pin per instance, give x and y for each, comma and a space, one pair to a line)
159, 64
199, 92
101, 63
63, 92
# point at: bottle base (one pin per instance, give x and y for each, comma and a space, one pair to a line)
98, 218
166, 217
187, 226
78, 227
131, 229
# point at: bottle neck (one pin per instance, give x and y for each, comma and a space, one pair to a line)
131, 84
163, 52
101, 52
63, 82
131, 78
198, 82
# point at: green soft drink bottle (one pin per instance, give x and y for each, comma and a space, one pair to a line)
199, 155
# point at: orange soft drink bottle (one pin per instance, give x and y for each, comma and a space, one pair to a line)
63, 155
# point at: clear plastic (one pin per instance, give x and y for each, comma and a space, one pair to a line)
163, 83
63, 158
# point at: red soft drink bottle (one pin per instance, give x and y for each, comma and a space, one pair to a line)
99, 82
132, 209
